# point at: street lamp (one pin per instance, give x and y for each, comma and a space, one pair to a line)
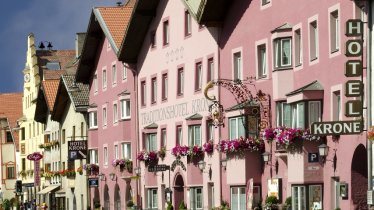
137, 171
113, 176
101, 176
266, 156
224, 163
201, 165
323, 150
49, 46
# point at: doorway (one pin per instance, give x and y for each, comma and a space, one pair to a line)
178, 191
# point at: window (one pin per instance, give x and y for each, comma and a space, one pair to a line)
104, 79
165, 86
93, 119
282, 53
126, 151
125, 109
114, 74
334, 31
163, 137
154, 90
237, 127
94, 157
180, 81
9, 138
105, 156
238, 198
96, 86
298, 49
187, 23
210, 130
73, 133
298, 197
238, 72
314, 111
124, 72
196, 198
261, 55
104, 117
315, 196
194, 135
152, 199
10, 172
298, 115
336, 103
294, 115
23, 164
313, 45
153, 39
166, 32
198, 76
143, 93
82, 129
23, 133
116, 152
210, 75
115, 113
151, 142
63, 136
283, 114
179, 135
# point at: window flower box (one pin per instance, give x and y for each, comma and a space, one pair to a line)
148, 157
91, 169
241, 145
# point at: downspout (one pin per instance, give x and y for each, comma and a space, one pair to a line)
219, 97
369, 86
135, 75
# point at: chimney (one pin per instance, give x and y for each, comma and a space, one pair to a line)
79, 40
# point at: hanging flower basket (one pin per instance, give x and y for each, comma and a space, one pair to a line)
179, 151
241, 145
91, 169
148, 157
208, 147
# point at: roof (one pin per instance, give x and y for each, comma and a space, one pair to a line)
315, 85
63, 57
52, 74
208, 12
242, 106
142, 16
284, 27
50, 91
196, 116
69, 90
11, 108
110, 22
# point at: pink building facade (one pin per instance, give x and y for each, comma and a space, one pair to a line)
297, 57
111, 134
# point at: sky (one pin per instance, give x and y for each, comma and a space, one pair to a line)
56, 21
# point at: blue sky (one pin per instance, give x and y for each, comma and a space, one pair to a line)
56, 21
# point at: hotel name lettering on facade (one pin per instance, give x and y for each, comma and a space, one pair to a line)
353, 88
175, 110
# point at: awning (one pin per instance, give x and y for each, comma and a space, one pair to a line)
311, 91
60, 193
47, 189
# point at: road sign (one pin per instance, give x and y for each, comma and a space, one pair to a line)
77, 150
156, 168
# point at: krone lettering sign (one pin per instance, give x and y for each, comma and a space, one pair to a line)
353, 88
77, 150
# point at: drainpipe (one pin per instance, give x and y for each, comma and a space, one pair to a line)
369, 86
219, 97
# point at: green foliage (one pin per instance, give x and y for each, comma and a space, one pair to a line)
337, 209
6, 204
130, 203
287, 204
182, 205
271, 201
170, 206
97, 204
224, 206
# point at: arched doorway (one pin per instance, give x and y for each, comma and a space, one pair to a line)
106, 198
359, 178
117, 198
178, 191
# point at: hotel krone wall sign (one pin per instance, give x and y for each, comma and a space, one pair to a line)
353, 88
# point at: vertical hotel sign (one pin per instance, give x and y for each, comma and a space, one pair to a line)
36, 157
353, 87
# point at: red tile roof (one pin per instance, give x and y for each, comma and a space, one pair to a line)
63, 57
11, 108
50, 90
116, 20
52, 74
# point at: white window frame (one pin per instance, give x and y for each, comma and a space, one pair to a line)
188, 22
299, 205
105, 79
311, 20
93, 119
198, 76
105, 116
115, 113
116, 151
114, 74
180, 81
236, 120
238, 198
179, 131
95, 84
298, 50
106, 155
154, 90
278, 52
262, 67
297, 117
237, 61
310, 114
126, 150
163, 137
165, 86
124, 72
151, 142
194, 198
151, 202
193, 135
125, 105
94, 158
